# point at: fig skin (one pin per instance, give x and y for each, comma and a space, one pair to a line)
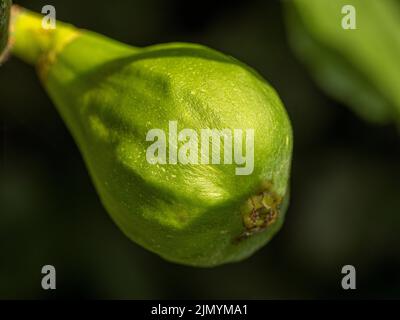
111, 94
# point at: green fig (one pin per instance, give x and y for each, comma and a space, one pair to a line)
5, 6
353, 51
138, 116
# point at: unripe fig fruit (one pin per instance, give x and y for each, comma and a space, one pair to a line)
113, 97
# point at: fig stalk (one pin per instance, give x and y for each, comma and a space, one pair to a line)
33, 42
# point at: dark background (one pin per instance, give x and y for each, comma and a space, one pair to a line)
345, 206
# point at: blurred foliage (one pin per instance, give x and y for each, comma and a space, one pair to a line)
345, 182
5, 6
360, 67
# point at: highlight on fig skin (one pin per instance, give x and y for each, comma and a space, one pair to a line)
111, 94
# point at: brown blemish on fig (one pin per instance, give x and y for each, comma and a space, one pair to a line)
260, 211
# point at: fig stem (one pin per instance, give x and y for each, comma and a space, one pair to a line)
32, 41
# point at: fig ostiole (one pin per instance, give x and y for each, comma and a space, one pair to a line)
118, 101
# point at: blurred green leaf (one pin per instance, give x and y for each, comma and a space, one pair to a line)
360, 67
